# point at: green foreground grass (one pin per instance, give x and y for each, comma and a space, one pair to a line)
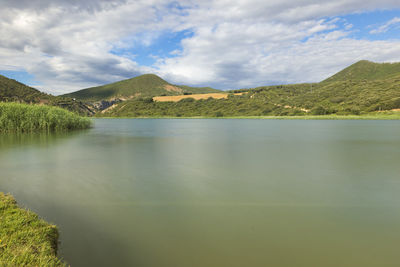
15, 117
25, 240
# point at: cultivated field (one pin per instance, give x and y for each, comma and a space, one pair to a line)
177, 98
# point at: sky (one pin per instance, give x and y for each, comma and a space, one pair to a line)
60, 46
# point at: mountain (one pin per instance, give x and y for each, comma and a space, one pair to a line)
147, 85
364, 87
13, 91
366, 71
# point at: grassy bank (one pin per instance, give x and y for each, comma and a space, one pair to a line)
25, 240
16, 117
388, 116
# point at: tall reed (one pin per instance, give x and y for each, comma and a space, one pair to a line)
25, 118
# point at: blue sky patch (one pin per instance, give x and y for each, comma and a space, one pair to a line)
364, 23
21, 76
160, 47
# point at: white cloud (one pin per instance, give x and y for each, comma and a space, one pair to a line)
67, 45
384, 28
288, 62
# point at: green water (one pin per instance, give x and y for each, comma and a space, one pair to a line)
185, 193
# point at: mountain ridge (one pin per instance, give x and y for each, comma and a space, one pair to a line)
365, 70
14, 91
362, 87
146, 85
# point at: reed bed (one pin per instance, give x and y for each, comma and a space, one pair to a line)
15, 117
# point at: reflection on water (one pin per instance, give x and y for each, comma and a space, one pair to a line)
16, 140
215, 192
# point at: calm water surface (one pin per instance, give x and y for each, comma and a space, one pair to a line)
185, 193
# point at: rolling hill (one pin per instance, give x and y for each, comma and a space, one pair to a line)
366, 71
13, 91
363, 88
147, 85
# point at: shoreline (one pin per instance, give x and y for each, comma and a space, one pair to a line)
305, 117
25, 238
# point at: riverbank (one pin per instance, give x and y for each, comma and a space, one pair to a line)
385, 116
15, 117
25, 239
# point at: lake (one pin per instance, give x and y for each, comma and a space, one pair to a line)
199, 192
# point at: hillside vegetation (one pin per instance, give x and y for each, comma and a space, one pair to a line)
25, 240
346, 93
362, 88
366, 71
16, 117
13, 91
147, 85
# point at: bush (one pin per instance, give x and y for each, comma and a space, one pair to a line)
396, 103
147, 99
318, 111
219, 114
187, 100
337, 100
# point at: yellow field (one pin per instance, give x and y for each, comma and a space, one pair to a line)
176, 98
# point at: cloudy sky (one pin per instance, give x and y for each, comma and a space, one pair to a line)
60, 46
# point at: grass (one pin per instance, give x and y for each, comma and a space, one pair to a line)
25, 240
26, 118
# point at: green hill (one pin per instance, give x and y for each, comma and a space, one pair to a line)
366, 71
13, 91
147, 85
362, 88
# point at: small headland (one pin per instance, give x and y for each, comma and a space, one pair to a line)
25, 239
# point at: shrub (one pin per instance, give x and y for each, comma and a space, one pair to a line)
219, 114
318, 111
186, 100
